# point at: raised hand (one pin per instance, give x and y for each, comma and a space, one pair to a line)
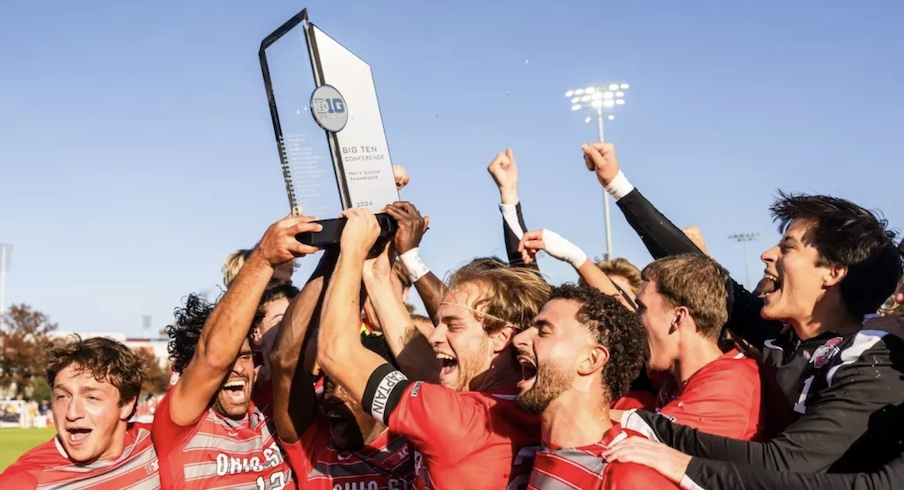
401, 176
378, 268
553, 244
601, 159
412, 225
278, 245
505, 174
361, 231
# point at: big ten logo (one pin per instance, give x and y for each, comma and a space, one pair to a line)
329, 106
391, 484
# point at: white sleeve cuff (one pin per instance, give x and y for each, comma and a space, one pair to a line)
510, 215
414, 265
619, 187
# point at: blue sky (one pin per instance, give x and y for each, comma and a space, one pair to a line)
136, 149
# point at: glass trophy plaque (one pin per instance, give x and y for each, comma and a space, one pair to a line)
328, 128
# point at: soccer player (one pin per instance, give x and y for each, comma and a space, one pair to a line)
682, 304
95, 385
206, 431
580, 352
468, 432
836, 387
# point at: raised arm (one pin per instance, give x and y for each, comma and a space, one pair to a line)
226, 329
505, 174
562, 249
407, 241
411, 350
662, 238
339, 348
294, 399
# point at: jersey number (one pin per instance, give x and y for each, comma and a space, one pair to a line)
801, 405
277, 482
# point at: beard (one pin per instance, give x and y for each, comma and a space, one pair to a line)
549, 383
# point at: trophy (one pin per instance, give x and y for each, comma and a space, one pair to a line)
326, 119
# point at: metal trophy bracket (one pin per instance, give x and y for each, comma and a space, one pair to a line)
338, 101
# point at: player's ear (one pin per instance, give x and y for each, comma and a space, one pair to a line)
128, 409
594, 358
502, 338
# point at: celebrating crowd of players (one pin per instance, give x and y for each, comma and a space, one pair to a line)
673, 376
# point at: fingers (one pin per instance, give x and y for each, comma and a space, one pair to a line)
595, 158
509, 154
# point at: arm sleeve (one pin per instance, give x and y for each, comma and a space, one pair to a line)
513, 229
663, 239
441, 423
723, 401
706, 473
856, 402
166, 434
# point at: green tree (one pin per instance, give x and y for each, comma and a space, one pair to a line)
25, 333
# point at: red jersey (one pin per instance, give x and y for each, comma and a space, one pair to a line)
584, 468
48, 467
384, 464
218, 452
722, 398
473, 440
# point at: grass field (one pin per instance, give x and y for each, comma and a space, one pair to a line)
15, 442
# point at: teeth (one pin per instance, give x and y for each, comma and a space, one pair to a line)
770, 277
524, 361
234, 384
445, 357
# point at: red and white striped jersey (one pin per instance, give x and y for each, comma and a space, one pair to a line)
584, 468
217, 452
48, 467
384, 464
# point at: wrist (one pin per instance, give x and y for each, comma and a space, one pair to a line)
256, 260
414, 266
508, 196
619, 186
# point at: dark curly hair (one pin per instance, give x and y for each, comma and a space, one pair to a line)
186, 331
614, 326
102, 357
848, 235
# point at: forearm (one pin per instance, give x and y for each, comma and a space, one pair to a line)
597, 279
410, 349
431, 290
339, 339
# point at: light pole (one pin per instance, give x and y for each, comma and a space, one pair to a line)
5, 250
744, 238
599, 98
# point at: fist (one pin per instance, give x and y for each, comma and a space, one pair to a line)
360, 232
278, 245
696, 236
600, 158
412, 225
401, 176
505, 174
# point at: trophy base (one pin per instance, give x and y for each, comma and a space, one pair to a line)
332, 231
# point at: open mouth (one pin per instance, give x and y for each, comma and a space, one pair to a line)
449, 365
770, 284
528, 372
77, 435
235, 389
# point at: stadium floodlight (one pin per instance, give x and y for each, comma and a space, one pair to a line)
600, 98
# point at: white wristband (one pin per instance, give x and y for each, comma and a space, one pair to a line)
619, 187
510, 216
562, 249
414, 265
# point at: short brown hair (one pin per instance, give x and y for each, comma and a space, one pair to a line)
696, 282
514, 295
102, 357
621, 268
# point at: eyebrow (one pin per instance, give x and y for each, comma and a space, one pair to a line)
543, 323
